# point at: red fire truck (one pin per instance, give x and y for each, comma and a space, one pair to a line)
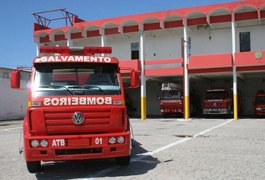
172, 103
76, 107
217, 102
171, 99
260, 103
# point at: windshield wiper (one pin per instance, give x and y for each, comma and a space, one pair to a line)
67, 88
93, 86
57, 86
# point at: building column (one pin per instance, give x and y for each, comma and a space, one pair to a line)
234, 67
102, 39
69, 40
186, 75
37, 48
143, 79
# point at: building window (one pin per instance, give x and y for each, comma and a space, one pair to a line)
135, 50
244, 38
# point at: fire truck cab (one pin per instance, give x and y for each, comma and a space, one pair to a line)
260, 103
76, 107
217, 102
171, 99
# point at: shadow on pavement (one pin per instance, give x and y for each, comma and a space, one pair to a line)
98, 167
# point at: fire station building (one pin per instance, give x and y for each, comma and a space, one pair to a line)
219, 45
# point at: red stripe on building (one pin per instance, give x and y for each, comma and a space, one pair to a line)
172, 24
127, 29
152, 26
93, 33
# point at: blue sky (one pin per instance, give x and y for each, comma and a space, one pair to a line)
17, 47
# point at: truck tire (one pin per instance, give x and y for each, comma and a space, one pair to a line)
123, 161
33, 166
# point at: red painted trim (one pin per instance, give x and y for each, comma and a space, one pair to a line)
164, 71
172, 24
197, 21
152, 26
76, 35
59, 37
210, 61
210, 70
45, 39
164, 61
111, 31
93, 33
249, 59
251, 68
220, 19
128, 29
126, 65
77, 20
37, 27
246, 15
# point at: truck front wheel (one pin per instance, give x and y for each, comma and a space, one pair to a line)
123, 161
33, 166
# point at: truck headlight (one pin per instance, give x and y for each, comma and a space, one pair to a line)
34, 143
112, 140
44, 143
120, 139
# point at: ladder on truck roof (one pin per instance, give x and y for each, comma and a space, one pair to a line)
61, 14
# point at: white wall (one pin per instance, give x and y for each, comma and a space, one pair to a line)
163, 44
121, 44
93, 41
205, 41
13, 103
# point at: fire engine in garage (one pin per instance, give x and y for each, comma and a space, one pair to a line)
76, 107
171, 100
260, 103
218, 102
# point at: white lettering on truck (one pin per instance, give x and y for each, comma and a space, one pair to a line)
72, 59
58, 142
66, 101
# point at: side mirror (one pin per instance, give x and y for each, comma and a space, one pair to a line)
135, 81
15, 79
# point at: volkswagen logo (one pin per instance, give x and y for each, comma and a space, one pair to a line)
78, 118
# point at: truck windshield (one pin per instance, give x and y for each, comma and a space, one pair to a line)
173, 94
260, 100
75, 79
216, 95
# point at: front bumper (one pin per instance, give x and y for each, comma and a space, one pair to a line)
215, 111
260, 112
74, 147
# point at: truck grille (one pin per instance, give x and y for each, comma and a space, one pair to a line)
97, 120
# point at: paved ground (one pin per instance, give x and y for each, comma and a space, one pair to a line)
163, 149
